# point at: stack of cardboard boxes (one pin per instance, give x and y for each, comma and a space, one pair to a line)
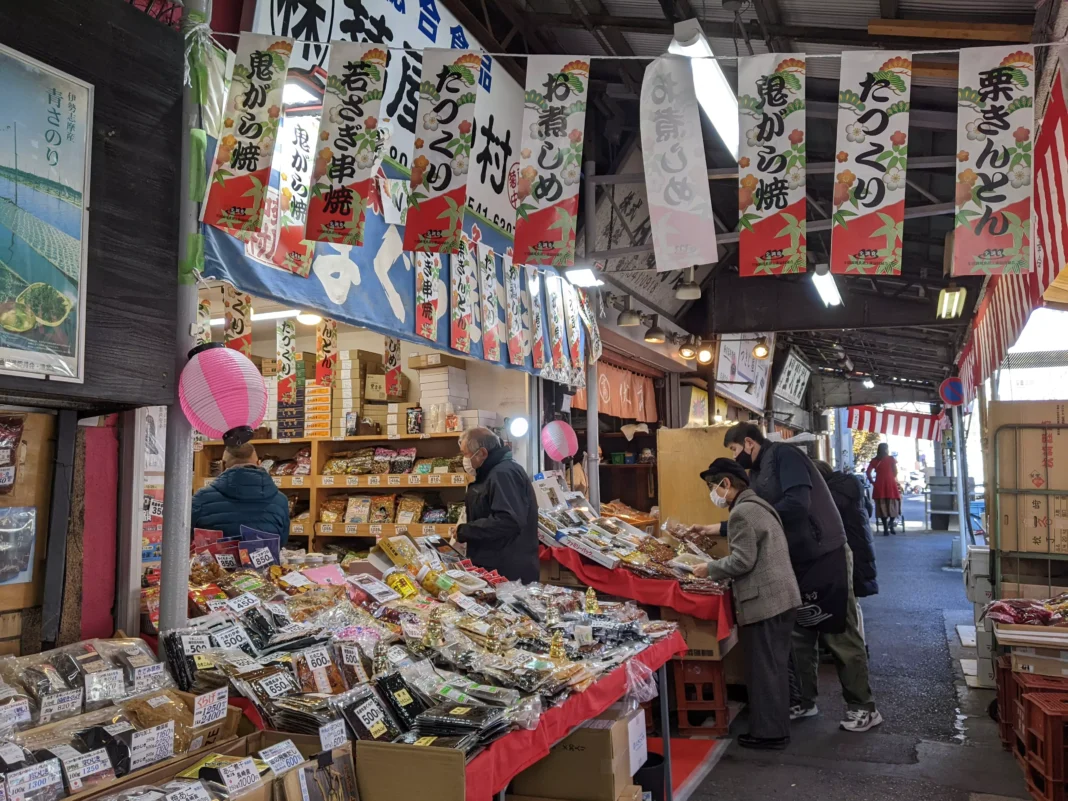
291, 414
270, 380
980, 591
347, 389
442, 385
317, 411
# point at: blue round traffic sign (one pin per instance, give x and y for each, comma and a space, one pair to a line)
952, 392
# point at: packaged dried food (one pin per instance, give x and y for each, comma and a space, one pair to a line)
435, 514
141, 670
423, 466
10, 438
441, 464
316, 671
414, 420
382, 508
303, 461
403, 461
157, 708
285, 467
410, 508
340, 464
355, 668
82, 771
268, 683
403, 701
456, 512
248, 581
358, 509
383, 457
204, 569
367, 716
362, 461
324, 780
201, 597
42, 781
332, 510
13, 757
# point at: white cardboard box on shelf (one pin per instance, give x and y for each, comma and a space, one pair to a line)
430, 400
447, 373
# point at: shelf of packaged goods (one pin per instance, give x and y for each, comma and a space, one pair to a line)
299, 529
365, 438
282, 482
383, 529
401, 481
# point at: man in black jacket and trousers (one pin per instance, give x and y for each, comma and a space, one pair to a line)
501, 531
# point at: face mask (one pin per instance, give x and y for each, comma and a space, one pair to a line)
745, 460
468, 467
717, 499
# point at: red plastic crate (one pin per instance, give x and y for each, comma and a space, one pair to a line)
1047, 720
701, 697
1043, 788
1006, 702
1027, 683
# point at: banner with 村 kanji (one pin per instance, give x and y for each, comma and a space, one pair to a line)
325, 351
463, 283
550, 160
513, 298
995, 140
869, 173
428, 294
676, 176
771, 165
487, 292
537, 318
286, 356
349, 147
237, 187
444, 132
237, 330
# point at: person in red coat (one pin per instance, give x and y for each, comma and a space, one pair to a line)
887, 494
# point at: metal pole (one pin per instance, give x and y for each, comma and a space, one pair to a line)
593, 461
665, 730
178, 462
961, 478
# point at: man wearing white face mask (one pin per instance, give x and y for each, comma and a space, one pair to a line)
766, 599
501, 531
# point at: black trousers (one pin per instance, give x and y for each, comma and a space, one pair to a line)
767, 674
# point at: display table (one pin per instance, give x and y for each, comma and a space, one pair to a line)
655, 592
490, 772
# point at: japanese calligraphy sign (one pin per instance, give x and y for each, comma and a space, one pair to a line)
242, 168
325, 352
513, 299
676, 177
995, 139
771, 165
487, 291
392, 362
537, 319
203, 322
285, 353
237, 333
293, 161
491, 185
554, 307
550, 162
444, 133
869, 174
571, 326
589, 319
350, 143
427, 294
463, 283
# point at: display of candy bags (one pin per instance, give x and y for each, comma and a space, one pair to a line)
403, 461
382, 459
382, 508
358, 509
410, 508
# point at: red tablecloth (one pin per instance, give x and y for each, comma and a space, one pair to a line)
655, 592
492, 770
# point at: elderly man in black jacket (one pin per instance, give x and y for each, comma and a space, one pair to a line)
501, 531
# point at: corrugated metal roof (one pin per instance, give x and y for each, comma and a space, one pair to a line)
578, 42
963, 9
649, 44
708, 11
829, 13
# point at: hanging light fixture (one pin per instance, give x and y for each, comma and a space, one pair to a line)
826, 286
309, 318
655, 335
705, 354
868, 384
628, 318
761, 350
713, 92
688, 348
688, 289
951, 301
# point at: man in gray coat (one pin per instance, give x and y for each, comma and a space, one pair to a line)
766, 599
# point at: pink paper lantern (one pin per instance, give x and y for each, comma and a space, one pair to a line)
222, 393
559, 440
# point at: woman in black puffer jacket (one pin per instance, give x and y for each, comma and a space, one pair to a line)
856, 509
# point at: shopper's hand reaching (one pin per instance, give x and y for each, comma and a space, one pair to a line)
701, 571
705, 530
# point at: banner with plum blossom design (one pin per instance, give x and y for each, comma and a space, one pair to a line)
237, 323
676, 176
463, 286
350, 143
427, 294
487, 292
444, 126
771, 165
573, 325
242, 168
550, 166
537, 318
285, 339
558, 345
292, 162
995, 141
869, 176
589, 319
325, 351
513, 298
391, 361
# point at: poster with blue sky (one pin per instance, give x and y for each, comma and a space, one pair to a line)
44, 195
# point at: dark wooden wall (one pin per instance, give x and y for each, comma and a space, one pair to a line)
135, 65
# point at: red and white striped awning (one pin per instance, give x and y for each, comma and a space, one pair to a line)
902, 424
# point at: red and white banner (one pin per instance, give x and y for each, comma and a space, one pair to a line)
286, 356
902, 424
391, 360
771, 165
444, 131
237, 330
550, 160
869, 172
537, 318
293, 163
995, 125
490, 303
463, 294
676, 176
325, 352
621, 393
573, 325
429, 294
513, 309
560, 365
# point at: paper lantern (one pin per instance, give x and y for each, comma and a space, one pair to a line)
559, 440
222, 393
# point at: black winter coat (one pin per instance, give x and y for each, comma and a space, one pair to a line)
243, 495
856, 510
501, 531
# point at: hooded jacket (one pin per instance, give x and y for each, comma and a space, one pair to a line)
242, 495
856, 510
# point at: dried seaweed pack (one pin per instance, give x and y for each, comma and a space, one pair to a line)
404, 703
366, 715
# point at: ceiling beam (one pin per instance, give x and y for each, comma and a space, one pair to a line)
937, 29
888, 8
831, 391
466, 18
769, 17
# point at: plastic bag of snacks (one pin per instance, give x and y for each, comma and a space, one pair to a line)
141, 671
155, 709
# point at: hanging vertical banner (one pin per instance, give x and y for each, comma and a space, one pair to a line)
537, 319
292, 161
237, 333
589, 319
349, 144
550, 161
869, 173
444, 132
513, 309
427, 294
571, 324
995, 140
771, 165
676, 177
325, 352
392, 362
554, 306
463, 273
487, 291
203, 322
237, 188
285, 353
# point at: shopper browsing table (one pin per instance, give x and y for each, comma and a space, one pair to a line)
242, 495
766, 599
501, 531
887, 494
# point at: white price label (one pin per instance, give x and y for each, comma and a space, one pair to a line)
243, 603
429, 529
277, 480
338, 439
425, 435
226, 561
318, 658
215, 604
61, 703
433, 358
352, 481
326, 528
209, 708
374, 481
394, 481
147, 676
276, 685
333, 735
106, 684
296, 579
328, 481
297, 481
374, 587
281, 757
459, 478
30, 782
283, 440
393, 436
82, 766
396, 654
243, 663
370, 714
261, 557
118, 728
14, 713
376, 530
434, 479
415, 478
11, 753
240, 776
192, 792
153, 745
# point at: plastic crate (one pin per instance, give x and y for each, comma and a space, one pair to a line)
1028, 683
1006, 702
1041, 787
700, 697
1047, 717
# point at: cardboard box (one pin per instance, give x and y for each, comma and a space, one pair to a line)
429, 400
425, 361
386, 772
1037, 591
985, 676
701, 635
455, 375
368, 357
984, 643
980, 590
268, 368
631, 792
1042, 460
1039, 665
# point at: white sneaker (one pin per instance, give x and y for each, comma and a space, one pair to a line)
797, 712
861, 720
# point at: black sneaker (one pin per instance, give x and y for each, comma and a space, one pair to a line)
763, 743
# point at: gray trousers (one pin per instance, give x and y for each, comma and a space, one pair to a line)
767, 653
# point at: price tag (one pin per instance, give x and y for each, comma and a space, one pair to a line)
243, 603
281, 757
332, 735
352, 481
283, 440
82, 766
403, 697
393, 436
276, 685
297, 481
459, 478
350, 655
399, 528
14, 713
429, 529
394, 481
104, 685
434, 479
147, 676
243, 663
433, 358
215, 604
376, 529
370, 714
240, 776
374, 587
326, 528
425, 435
61, 703
209, 707
374, 481
327, 481
226, 561
118, 728
277, 480
415, 478
318, 658
192, 792
153, 745
296, 528
34, 781
395, 654
296, 579
261, 557
424, 741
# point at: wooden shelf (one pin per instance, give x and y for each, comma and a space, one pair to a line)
387, 480
374, 530
642, 465
366, 438
282, 482
300, 529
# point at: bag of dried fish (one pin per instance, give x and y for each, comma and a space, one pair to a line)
316, 671
141, 671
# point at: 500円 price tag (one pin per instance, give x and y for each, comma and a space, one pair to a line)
282, 756
240, 776
209, 708
333, 735
149, 746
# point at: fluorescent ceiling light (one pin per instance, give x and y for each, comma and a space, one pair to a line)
951, 302
285, 314
296, 95
309, 318
583, 276
869, 384
827, 288
713, 92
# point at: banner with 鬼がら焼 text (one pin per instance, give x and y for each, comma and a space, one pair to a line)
550, 160
429, 294
293, 251
772, 161
869, 172
995, 143
676, 176
349, 146
241, 172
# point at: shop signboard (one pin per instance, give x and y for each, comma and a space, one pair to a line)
237, 320
995, 141
740, 376
44, 200
463, 278
869, 172
487, 292
771, 165
793, 380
